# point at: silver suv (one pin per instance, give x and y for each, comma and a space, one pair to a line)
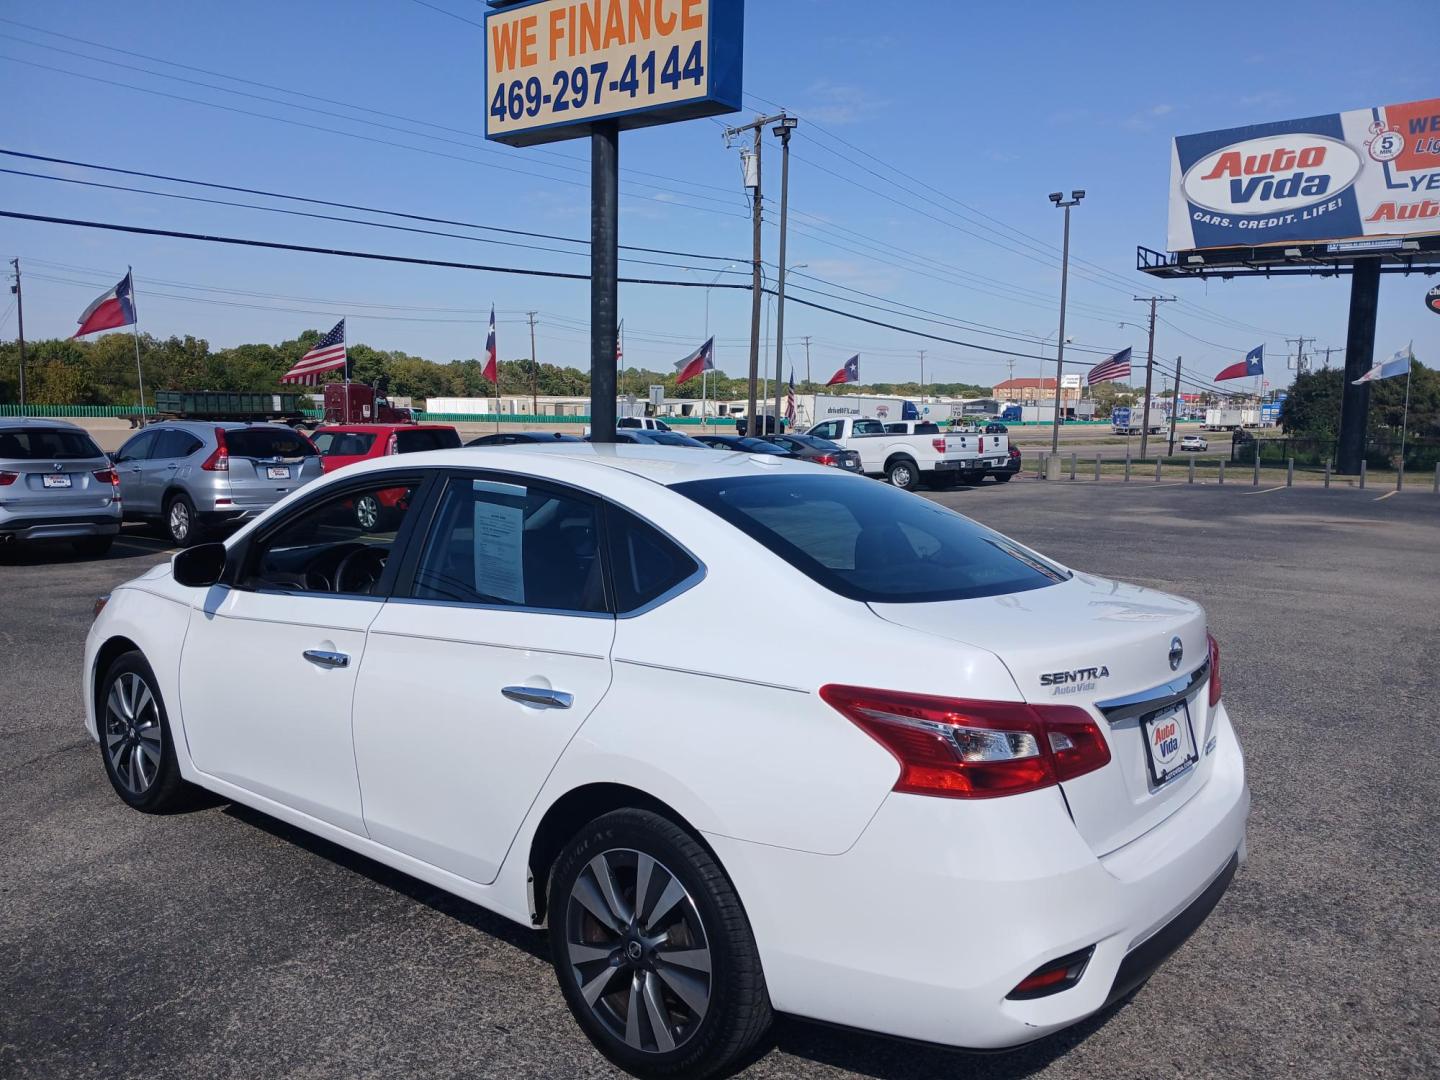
56, 484
192, 476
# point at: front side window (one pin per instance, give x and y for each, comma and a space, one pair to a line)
421, 439
828, 430
50, 444
871, 542
869, 427
506, 544
341, 545
138, 448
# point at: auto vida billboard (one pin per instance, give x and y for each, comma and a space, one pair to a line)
553, 68
1343, 176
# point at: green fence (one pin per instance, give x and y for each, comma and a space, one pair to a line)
67, 411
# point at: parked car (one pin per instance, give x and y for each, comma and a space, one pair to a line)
910, 457
644, 423
745, 445
518, 438
346, 444
56, 485
1003, 473
667, 438
995, 428
820, 451
1194, 442
194, 476
503, 697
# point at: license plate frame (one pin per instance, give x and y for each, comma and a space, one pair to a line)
1167, 767
277, 472
56, 481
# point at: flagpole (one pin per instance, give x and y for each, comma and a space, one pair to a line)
139, 371
349, 417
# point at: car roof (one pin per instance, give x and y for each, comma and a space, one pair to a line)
665, 465
12, 423
381, 429
211, 425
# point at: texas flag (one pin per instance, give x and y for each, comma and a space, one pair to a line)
1253, 364
850, 373
492, 368
697, 363
115, 308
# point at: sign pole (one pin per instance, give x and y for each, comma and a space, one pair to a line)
604, 277
1174, 407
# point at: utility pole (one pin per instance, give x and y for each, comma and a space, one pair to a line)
782, 131
1149, 370
1059, 200
20, 323
534, 369
1301, 364
751, 160
1174, 407
1328, 351
922, 376
807, 360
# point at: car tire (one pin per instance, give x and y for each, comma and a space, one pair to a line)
370, 513
135, 742
904, 474
93, 547
181, 525
1003, 478
650, 1015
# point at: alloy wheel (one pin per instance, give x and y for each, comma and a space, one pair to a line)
179, 521
133, 740
367, 511
638, 950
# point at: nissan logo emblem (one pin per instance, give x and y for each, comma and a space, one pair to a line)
1177, 653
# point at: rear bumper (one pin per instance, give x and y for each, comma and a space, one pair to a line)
942, 907
59, 526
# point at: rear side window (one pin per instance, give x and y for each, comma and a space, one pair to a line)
176, 444
138, 448
645, 563
53, 444
422, 439
344, 443
512, 545
871, 542
269, 442
927, 429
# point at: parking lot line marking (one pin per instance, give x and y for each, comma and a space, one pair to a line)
1264, 491
1384, 497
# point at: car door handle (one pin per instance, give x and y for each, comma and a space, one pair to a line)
541, 699
321, 658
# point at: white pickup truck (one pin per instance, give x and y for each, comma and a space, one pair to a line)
923, 453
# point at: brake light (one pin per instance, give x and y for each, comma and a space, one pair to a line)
826, 459
392, 446
8, 478
1214, 670
219, 459
108, 476
939, 445
963, 749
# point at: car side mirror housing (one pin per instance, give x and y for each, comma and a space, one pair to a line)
201, 566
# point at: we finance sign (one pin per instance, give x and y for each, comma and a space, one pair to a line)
1339, 177
556, 68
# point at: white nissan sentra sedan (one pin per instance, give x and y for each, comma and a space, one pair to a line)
547, 685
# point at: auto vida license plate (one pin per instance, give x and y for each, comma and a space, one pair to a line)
1169, 743
55, 480
278, 472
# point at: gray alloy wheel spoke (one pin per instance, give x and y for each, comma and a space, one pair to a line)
116, 702
694, 959
659, 1018
605, 879
644, 870
143, 698
673, 894
587, 954
151, 753
112, 738
632, 1014
588, 895
691, 989
132, 771
592, 990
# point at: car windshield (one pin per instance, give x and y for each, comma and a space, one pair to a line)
343, 443
267, 442
871, 542
52, 444
761, 446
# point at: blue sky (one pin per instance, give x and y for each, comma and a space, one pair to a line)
931, 133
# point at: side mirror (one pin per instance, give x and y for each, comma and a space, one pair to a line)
201, 566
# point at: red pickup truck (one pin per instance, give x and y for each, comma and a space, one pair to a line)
345, 444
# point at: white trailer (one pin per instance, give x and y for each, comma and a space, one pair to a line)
1230, 419
460, 406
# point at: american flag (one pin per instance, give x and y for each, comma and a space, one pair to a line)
790, 399
1111, 368
328, 355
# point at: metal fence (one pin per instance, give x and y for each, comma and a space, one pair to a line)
1422, 454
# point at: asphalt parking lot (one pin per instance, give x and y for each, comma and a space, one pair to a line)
218, 943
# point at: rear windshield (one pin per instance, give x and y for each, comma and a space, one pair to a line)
267, 443
343, 443
872, 542
55, 444
422, 439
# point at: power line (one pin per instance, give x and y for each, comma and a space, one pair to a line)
442, 11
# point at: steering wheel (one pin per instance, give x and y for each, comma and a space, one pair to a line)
365, 564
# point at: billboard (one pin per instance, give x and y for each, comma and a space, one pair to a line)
1334, 178
554, 68
1070, 381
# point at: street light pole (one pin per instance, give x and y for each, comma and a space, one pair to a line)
782, 131
1058, 198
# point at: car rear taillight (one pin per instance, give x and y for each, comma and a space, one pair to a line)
1053, 977
108, 476
219, 459
8, 478
827, 459
963, 749
939, 445
1214, 670
1014, 452
393, 445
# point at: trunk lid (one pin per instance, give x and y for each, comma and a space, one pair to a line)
1105, 647
267, 463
